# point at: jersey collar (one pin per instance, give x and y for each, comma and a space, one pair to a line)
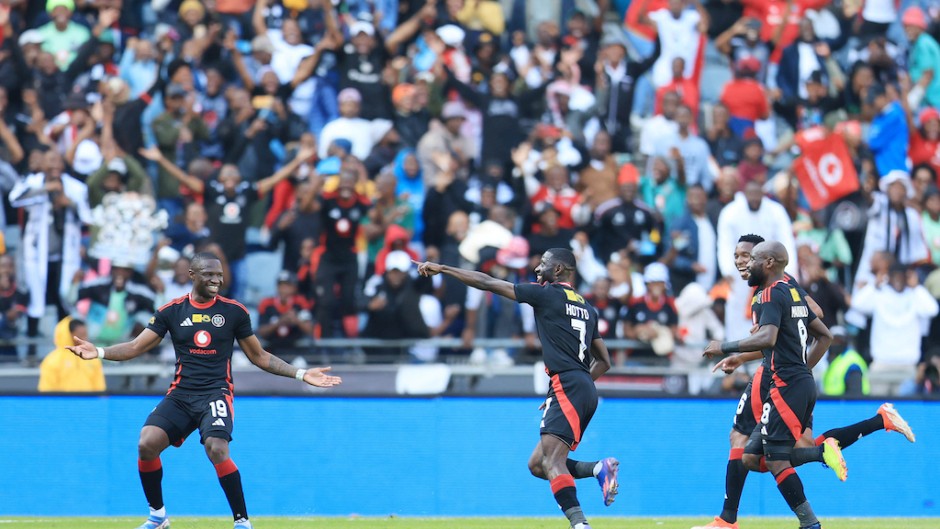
198, 305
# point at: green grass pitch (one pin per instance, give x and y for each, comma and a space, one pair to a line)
263, 522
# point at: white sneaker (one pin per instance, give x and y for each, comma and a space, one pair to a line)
477, 357
501, 358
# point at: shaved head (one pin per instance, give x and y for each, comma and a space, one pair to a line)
768, 260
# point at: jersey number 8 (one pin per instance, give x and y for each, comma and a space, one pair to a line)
804, 336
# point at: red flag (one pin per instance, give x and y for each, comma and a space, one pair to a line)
825, 169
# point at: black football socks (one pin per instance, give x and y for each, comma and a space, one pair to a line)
231, 481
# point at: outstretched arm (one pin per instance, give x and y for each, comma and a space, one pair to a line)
729, 364
315, 376
764, 338
144, 342
471, 278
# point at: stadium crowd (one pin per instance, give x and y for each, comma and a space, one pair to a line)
352, 136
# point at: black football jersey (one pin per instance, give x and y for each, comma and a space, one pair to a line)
341, 219
566, 324
203, 336
785, 307
755, 310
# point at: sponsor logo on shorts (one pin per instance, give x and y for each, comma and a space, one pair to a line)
218, 320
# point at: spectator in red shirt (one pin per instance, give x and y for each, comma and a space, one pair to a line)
745, 98
686, 87
558, 192
285, 319
925, 140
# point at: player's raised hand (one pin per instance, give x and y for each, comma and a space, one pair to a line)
728, 365
82, 349
713, 349
316, 376
427, 269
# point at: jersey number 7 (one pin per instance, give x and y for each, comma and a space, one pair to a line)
581, 327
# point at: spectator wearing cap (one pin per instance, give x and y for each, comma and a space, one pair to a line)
897, 304
743, 41
284, 320
628, 224
925, 139
888, 134
411, 118
363, 133
893, 226
120, 303
118, 174
615, 85
597, 181
648, 317
393, 304
847, 372
745, 98
179, 131
491, 316
924, 56
724, 143
445, 138
61, 36
690, 247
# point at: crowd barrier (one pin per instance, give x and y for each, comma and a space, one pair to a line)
448, 456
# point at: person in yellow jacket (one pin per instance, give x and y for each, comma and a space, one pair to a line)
63, 371
847, 374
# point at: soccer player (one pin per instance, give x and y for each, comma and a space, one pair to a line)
567, 327
785, 324
749, 410
203, 327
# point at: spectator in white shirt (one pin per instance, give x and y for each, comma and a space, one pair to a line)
897, 304
749, 212
362, 133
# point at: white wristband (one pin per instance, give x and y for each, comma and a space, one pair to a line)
100, 352
299, 375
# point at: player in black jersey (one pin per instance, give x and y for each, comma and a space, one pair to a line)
750, 408
567, 327
203, 327
785, 324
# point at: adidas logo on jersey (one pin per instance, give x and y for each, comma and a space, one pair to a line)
218, 422
186, 323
